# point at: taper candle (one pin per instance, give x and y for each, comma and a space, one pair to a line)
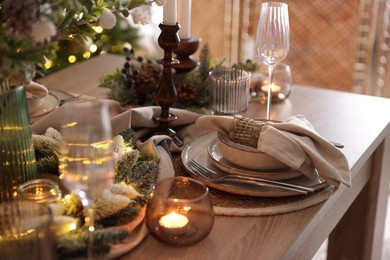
169, 12
185, 19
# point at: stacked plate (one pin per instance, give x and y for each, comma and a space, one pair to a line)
46, 105
219, 154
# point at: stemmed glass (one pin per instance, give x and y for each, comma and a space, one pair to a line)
86, 158
272, 39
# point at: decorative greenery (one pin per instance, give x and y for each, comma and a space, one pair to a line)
31, 30
139, 77
119, 204
75, 242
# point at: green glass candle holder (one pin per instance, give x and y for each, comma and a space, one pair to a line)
17, 158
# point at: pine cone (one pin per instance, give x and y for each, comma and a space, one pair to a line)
19, 16
148, 79
186, 93
145, 85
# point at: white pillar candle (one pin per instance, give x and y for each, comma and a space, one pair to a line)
169, 12
185, 19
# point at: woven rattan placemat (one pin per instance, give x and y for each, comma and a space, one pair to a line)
238, 205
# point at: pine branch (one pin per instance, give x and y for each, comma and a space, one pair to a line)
48, 165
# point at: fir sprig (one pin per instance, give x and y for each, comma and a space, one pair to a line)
74, 243
134, 168
33, 31
122, 217
124, 84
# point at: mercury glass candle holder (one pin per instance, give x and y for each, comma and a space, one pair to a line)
43, 191
179, 211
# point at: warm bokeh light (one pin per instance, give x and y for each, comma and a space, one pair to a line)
93, 48
48, 64
115, 48
97, 28
72, 59
104, 38
86, 55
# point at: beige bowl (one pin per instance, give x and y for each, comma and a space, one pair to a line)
34, 104
35, 95
245, 156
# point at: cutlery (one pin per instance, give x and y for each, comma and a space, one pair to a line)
338, 145
218, 177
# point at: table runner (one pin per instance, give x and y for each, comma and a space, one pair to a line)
227, 204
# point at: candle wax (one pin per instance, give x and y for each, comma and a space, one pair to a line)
185, 19
173, 220
169, 12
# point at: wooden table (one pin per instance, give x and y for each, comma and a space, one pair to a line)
353, 218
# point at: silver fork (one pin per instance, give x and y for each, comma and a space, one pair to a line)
218, 177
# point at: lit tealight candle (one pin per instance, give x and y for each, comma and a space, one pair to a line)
173, 220
275, 89
40, 190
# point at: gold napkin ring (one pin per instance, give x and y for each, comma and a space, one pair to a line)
245, 131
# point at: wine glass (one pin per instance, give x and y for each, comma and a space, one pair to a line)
86, 157
272, 39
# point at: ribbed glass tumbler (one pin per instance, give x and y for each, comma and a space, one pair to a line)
229, 91
17, 158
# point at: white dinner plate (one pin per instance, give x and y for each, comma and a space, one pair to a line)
219, 161
197, 150
50, 102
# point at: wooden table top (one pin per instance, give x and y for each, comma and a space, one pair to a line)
361, 123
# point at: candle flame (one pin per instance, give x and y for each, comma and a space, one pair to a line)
173, 220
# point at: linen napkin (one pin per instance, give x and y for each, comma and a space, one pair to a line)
141, 120
294, 142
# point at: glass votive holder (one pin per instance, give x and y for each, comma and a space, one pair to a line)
25, 231
179, 211
229, 91
281, 83
43, 191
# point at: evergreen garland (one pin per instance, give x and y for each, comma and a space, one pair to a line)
133, 168
135, 82
74, 244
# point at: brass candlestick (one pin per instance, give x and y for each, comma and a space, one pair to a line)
186, 48
166, 94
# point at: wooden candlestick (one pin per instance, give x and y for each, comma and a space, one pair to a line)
186, 48
166, 94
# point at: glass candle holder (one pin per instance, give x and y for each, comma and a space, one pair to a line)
281, 83
179, 211
43, 191
25, 231
229, 91
17, 157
